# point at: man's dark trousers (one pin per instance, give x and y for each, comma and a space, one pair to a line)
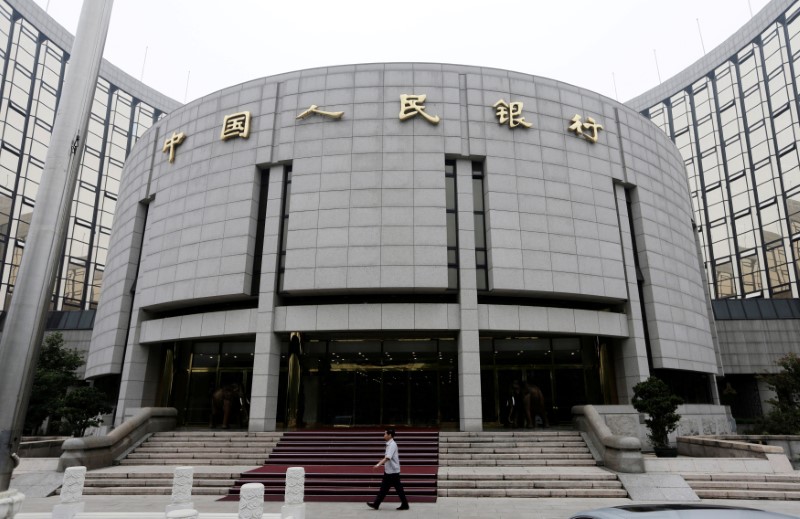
388, 481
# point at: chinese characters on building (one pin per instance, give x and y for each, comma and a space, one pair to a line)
510, 113
172, 143
237, 125
314, 109
590, 125
411, 105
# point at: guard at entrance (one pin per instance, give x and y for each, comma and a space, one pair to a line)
227, 404
391, 473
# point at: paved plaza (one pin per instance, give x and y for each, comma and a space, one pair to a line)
444, 508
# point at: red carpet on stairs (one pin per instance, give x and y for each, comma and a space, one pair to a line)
339, 465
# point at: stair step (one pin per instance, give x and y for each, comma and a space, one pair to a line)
482, 484
198, 461
748, 494
193, 455
782, 478
90, 476
534, 492
745, 485
589, 462
150, 491
600, 476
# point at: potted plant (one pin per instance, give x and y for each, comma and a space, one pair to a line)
654, 398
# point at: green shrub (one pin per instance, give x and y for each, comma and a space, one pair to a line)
784, 418
81, 408
654, 398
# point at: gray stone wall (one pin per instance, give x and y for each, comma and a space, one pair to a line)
367, 214
754, 346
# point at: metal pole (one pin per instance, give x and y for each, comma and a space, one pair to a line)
22, 337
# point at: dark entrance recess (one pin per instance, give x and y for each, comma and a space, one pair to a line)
569, 371
361, 382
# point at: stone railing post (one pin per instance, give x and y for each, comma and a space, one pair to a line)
10, 502
181, 490
251, 501
295, 494
71, 494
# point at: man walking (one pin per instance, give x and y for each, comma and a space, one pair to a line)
391, 473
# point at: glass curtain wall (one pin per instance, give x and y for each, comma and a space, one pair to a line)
31, 80
737, 130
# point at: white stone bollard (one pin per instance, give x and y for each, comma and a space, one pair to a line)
71, 494
295, 494
186, 513
10, 502
182, 490
251, 501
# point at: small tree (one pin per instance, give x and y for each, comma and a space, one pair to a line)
55, 373
81, 408
654, 397
784, 418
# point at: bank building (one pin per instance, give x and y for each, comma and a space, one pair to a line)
399, 243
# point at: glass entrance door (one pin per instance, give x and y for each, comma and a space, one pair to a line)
566, 370
374, 382
210, 378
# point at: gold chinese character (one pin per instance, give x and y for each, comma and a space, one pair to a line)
577, 126
314, 110
236, 125
411, 105
510, 113
172, 143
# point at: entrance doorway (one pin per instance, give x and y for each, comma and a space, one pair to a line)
355, 382
205, 376
567, 370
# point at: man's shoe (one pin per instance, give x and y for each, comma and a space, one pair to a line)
403, 507
372, 505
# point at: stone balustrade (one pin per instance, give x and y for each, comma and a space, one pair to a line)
620, 453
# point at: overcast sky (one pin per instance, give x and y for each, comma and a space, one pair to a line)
614, 47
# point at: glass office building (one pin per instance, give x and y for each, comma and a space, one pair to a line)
734, 116
34, 53
737, 128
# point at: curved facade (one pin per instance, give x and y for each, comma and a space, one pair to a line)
348, 243
34, 51
734, 116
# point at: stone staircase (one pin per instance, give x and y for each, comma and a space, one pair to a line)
339, 464
204, 448
157, 482
784, 487
212, 453
521, 464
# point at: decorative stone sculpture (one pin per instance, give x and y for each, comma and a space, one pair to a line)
72, 485
295, 494
251, 501
295, 485
71, 494
181, 490
10, 502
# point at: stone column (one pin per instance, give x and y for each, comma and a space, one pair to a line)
631, 357
24, 328
251, 501
295, 494
181, 490
267, 358
71, 494
469, 361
